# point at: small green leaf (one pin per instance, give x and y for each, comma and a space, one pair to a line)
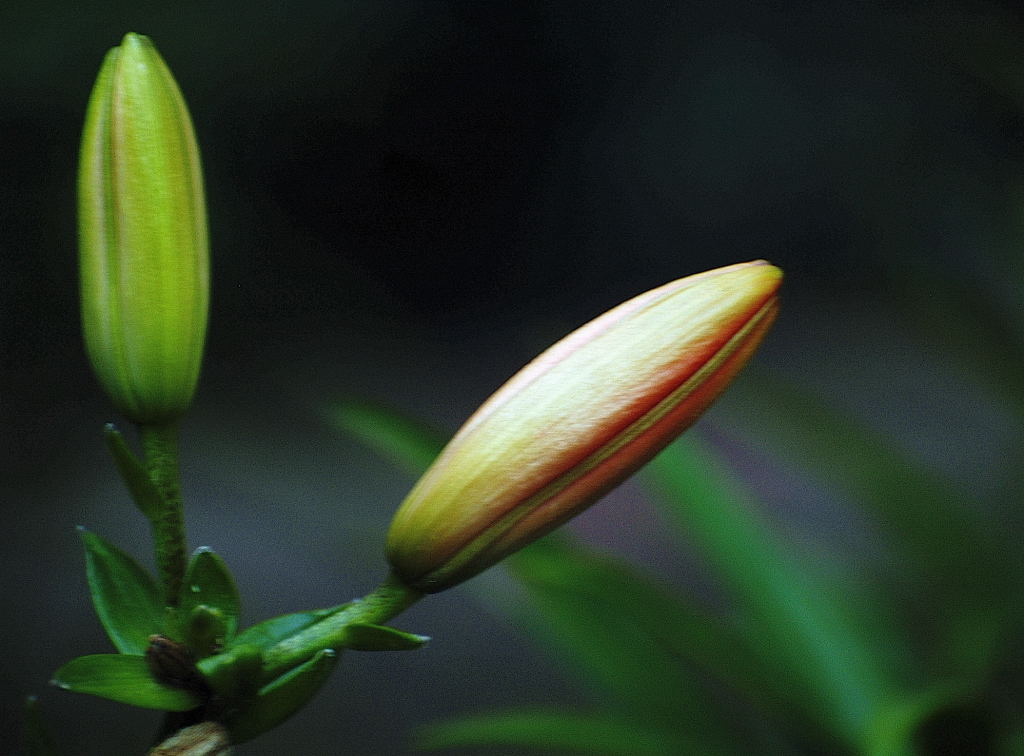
366, 637
205, 630
38, 737
269, 632
405, 442
143, 491
282, 697
235, 673
598, 734
122, 677
125, 596
208, 582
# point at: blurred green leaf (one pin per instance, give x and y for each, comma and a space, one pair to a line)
893, 730
209, 582
140, 486
796, 625
410, 445
281, 698
935, 526
124, 678
619, 634
125, 596
599, 734
267, 633
558, 572
954, 569
38, 737
367, 637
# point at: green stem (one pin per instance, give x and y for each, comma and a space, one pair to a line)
391, 598
160, 449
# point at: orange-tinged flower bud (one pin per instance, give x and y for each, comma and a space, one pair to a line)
578, 420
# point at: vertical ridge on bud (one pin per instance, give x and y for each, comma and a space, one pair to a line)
578, 420
143, 249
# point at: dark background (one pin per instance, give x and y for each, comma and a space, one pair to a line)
408, 200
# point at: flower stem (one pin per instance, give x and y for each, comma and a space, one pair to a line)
389, 599
160, 450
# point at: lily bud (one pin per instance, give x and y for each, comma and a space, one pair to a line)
578, 420
143, 252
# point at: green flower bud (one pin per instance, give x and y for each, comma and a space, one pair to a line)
579, 420
143, 251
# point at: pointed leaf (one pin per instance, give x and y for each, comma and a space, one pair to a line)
949, 554
38, 737
208, 582
557, 572
143, 491
280, 699
126, 598
405, 442
932, 522
366, 637
614, 637
235, 673
596, 734
269, 632
124, 678
798, 626
205, 630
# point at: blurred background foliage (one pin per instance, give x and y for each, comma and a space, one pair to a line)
409, 200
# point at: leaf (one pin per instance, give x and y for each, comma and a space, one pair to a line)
820, 657
934, 526
269, 632
948, 555
403, 441
281, 698
122, 677
234, 673
125, 596
592, 734
38, 737
367, 637
615, 633
894, 730
557, 572
204, 630
208, 582
143, 491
